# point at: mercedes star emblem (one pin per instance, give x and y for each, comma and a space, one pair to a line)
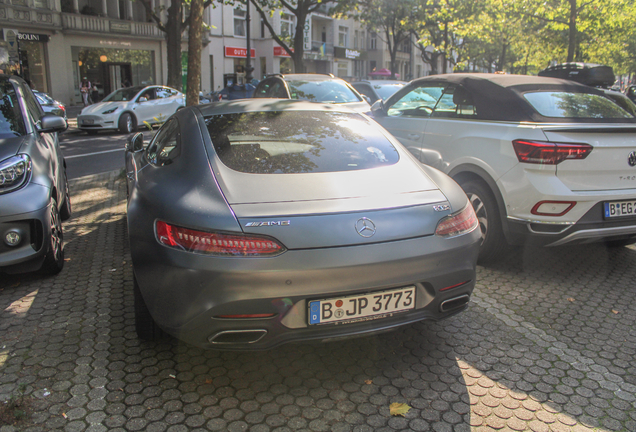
631, 159
365, 227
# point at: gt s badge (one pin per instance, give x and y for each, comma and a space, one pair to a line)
441, 207
270, 223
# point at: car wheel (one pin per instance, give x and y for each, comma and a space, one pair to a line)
66, 211
126, 123
54, 260
493, 243
145, 325
91, 132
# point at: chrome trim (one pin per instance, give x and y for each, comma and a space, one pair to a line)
595, 234
516, 219
465, 298
567, 227
212, 338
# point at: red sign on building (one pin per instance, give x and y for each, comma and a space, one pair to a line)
239, 52
279, 51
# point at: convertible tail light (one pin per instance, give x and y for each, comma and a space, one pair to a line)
547, 153
460, 223
214, 243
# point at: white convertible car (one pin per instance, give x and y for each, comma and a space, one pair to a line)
126, 108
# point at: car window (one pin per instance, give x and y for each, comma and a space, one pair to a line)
33, 106
622, 101
148, 94
43, 98
366, 90
164, 148
122, 95
563, 104
277, 90
386, 90
262, 91
455, 102
419, 102
328, 91
11, 120
299, 142
162, 93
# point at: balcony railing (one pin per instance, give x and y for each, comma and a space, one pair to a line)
93, 24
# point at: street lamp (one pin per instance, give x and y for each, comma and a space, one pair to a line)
248, 62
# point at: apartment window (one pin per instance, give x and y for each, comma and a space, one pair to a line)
287, 25
356, 36
239, 22
373, 42
343, 35
372, 66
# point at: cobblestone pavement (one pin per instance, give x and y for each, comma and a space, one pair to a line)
547, 344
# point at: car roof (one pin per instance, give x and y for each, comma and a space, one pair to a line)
499, 97
308, 77
380, 82
266, 104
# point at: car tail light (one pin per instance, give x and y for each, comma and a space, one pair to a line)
460, 223
552, 208
62, 107
214, 243
547, 153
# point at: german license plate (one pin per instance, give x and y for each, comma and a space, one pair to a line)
620, 208
88, 121
343, 310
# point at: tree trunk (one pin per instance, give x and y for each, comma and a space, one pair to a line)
445, 53
173, 42
194, 52
299, 42
572, 31
502, 58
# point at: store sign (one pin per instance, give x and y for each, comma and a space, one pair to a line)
11, 36
120, 27
33, 37
279, 51
307, 34
351, 54
239, 52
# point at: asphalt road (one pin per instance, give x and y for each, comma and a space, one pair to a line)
547, 343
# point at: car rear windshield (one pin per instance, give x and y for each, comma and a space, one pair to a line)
11, 120
572, 105
322, 91
285, 142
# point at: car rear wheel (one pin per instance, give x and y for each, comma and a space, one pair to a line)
493, 243
54, 260
145, 325
66, 211
126, 123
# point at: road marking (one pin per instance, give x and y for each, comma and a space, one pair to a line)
93, 154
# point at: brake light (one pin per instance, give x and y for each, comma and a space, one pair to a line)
552, 208
547, 153
460, 223
213, 243
62, 107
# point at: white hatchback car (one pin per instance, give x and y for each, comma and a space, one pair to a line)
128, 107
543, 160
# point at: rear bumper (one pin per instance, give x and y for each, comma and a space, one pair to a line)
186, 293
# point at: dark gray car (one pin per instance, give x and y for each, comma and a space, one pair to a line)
258, 222
34, 196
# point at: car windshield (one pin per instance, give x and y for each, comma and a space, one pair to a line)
122, 95
11, 120
299, 142
387, 90
575, 105
322, 91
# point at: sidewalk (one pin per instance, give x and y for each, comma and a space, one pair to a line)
71, 113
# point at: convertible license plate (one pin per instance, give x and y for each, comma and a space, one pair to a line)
343, 310
620, 208
88, 121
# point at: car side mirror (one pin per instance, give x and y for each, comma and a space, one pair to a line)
52, 123
368, 99
377, 109
143, 99
135, 143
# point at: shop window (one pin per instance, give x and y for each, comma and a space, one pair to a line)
239, 22
343, 36
343, 69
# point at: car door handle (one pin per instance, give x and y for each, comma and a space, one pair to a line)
413, 136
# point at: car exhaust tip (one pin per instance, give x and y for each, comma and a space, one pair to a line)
454, 303
237, 336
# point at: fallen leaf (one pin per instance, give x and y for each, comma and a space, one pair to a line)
397, 408
614, 311
64, 415
570, 299
209, 380
368, 381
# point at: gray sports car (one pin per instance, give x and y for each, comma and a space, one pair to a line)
258, 222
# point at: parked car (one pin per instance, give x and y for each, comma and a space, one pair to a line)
270, 221
313, 88
630, 92
129, 107
377, 89
50, 105
543, 160
34, 195
234, 92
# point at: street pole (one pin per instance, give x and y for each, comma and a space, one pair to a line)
248, 62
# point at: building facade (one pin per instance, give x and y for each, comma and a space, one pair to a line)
54, 44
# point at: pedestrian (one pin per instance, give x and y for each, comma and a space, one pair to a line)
85, 90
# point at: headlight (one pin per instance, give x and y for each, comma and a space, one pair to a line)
14, 173
110, 111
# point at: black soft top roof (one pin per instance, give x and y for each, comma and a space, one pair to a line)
499, 97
